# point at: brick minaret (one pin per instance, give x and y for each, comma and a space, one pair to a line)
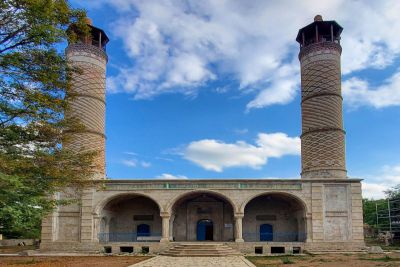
323, 137
88, 87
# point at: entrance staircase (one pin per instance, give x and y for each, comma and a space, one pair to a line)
200, 249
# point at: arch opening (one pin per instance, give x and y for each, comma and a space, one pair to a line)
274, 217
130, 218
202, 216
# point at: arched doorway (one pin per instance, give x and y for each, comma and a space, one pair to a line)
274, 217
205, 230
202, 216
266, 232
131, 218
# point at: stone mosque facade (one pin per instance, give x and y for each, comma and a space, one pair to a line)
321, 211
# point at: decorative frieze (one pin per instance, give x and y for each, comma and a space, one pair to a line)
194, 185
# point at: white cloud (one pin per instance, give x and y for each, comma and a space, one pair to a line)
133, 163
145, 164
216, 155
130, 162
167, 176
282, 89
373, 190
241, 131
374, 187
178, 46
358, 92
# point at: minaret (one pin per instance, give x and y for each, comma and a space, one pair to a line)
88, 53
323, 137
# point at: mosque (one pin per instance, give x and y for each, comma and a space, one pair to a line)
321, 211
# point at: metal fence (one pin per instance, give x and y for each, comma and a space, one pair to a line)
128, 237
388, 217
275, 237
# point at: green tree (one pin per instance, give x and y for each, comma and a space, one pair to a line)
34, 83
393, 193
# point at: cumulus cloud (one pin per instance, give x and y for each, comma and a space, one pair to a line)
179, 46
358, 92
216, 155
374, 187
167, 176
373, 190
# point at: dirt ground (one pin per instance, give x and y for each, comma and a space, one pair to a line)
332, 260
391, 259
16, 249
76, 261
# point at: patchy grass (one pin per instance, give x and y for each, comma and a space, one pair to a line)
330, 260
269, 261
76, 261
287, 260
385, 258
374, 242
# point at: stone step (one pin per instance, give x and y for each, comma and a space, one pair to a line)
201, 255
194, 249
200, 250
321, 252
221, 248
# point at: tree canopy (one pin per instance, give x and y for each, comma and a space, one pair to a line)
34, 82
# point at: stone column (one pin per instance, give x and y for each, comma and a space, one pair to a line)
165, 226
171, 227
49, 233
239, 227
96, 228
87, 216
308, 227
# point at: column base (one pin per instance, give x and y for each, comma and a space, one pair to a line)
164, 240
239, 240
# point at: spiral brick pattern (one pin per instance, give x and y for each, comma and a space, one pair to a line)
88, 105
323, 137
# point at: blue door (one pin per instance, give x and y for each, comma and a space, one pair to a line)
205, 230
143, 230
266, 233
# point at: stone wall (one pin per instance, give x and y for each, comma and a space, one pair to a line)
330, 211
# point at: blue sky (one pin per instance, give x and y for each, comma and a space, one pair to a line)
210, 89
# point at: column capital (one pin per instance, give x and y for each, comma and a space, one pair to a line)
238, 215
165, 214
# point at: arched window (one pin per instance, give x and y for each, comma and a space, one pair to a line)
143, 230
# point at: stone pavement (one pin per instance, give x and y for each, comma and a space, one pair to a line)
165, 261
